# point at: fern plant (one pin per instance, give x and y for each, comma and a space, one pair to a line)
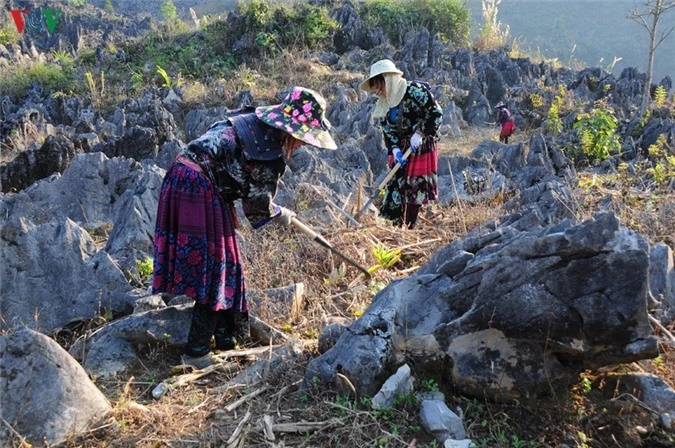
554, 124
660, 95
596, 132
662, 170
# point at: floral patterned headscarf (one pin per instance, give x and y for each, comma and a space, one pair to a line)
302, 114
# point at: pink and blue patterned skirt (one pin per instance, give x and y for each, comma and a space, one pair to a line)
196, 252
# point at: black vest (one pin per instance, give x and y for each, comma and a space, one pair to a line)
260, 141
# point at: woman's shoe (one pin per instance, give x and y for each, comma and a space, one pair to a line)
226, 343
200, 362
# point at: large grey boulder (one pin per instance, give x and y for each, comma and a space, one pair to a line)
52, 274
46, 395
137, 143
525, 314
111, 349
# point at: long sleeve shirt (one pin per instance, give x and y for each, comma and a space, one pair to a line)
418, 110
504, 116
220, 155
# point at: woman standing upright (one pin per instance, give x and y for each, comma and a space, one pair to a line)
195, 246
505, 119
409, 117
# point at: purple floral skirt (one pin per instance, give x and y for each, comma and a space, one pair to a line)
195, 246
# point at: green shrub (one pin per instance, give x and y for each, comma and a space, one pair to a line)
274, 26
87, 57
554, 124
451, 19
144, 269
536, 100
109, 6
50, 76
168, 11
8, 33
76, 3
64, 59
596, 132
662, 170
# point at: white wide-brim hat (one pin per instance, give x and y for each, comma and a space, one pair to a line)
379, 68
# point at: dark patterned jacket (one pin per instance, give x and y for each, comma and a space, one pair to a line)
417, 110
220, 154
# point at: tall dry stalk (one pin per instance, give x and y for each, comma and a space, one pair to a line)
492, 34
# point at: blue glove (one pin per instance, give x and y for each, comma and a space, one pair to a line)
398, 156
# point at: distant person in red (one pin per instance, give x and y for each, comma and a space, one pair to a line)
506, 120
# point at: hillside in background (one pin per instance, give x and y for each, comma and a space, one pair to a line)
593, 32
586, 32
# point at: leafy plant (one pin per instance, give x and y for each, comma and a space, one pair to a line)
109, 6
430, 385
337, 276
144, 268
137, 81
662, 170
660, 94
64, 59
448, 18
8, 34
554, 124
165, 77
50, 76
596, 132
168, 11
96, 93
637, 131
405, 400
273, 26
77, 3
87, 57
385, 257
536, 100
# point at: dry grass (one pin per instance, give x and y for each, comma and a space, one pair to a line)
473, 136
194, 415
647, 211
281, 256
291, 68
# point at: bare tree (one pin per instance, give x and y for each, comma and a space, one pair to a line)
649, 19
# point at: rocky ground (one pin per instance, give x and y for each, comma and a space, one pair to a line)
552, 265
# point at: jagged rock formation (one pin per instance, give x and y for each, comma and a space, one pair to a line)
507, 313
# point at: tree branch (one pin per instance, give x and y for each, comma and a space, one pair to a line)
664, 36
